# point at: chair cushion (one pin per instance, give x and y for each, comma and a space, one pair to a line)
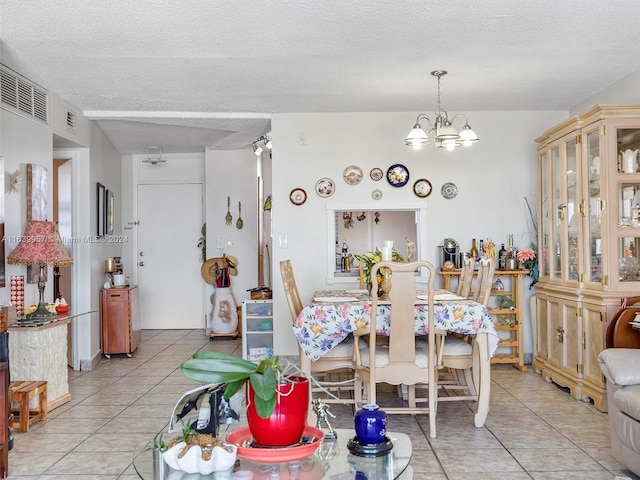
343, 350
456, 346
382, 355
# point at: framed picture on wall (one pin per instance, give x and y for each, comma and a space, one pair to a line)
37, 186
101, 209
110, 212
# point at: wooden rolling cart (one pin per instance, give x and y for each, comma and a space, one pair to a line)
120, 320
505, 319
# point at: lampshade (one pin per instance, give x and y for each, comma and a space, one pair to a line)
417, 137
40, 245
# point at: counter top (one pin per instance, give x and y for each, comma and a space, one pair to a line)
40, 324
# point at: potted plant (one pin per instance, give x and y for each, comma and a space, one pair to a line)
275, 399
194, 452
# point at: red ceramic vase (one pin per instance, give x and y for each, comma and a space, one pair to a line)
286, 424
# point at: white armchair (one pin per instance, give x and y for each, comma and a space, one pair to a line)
621, 367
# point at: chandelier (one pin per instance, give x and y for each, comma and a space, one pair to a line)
444, 133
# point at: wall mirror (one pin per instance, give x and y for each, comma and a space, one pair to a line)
362, 227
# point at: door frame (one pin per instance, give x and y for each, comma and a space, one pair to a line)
81, 288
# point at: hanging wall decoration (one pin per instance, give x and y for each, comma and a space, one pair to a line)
3, 282
101, 210
110, 218
37, 186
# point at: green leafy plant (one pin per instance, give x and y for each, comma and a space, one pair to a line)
214, 367
369, 259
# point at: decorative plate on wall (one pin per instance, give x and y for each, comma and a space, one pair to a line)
398, 175
325, 187
376, 174
298, 196
449, 190
422, 187
376, 194
352, 175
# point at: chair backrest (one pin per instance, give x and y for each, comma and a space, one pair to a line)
482, 292
290, 289
466, 278
402, 346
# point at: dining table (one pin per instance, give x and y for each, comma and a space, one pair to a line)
331, 315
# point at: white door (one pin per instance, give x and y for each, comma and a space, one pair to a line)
171, 288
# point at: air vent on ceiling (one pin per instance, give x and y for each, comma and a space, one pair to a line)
71, 121
22, 95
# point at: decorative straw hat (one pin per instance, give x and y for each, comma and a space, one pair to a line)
213, 266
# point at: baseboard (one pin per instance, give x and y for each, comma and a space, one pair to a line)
88, 365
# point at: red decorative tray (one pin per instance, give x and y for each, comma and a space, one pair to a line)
275, 454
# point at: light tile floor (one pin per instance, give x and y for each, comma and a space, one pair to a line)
535, 430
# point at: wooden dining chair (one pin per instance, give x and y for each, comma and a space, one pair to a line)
466, 278
482, 292
455, 354
338, 358
402, 360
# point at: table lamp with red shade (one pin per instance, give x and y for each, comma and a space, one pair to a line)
40, 245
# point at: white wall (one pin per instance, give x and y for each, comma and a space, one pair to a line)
233, 173
492, 177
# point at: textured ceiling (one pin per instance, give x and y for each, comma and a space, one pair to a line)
189, 74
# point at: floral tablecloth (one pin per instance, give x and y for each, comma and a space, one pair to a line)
321, 325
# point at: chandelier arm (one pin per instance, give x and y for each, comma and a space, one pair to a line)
423, 116
466, 120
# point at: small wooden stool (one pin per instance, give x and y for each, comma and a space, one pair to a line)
21, 393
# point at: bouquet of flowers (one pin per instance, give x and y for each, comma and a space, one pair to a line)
527, 258
369, 259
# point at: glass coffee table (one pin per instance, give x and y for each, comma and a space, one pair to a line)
332, 460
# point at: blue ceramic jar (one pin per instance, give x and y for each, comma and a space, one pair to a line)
371, 424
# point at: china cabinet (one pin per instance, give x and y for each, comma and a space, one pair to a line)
588, 241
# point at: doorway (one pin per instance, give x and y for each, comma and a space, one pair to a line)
63, 217
168, 257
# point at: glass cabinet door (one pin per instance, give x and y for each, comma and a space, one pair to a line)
544, 173
574, 222
558, 211
625, 253
561, 220
594, 208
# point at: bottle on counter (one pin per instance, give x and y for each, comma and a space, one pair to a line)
473, 252
502, 258
481, 248
346, 260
